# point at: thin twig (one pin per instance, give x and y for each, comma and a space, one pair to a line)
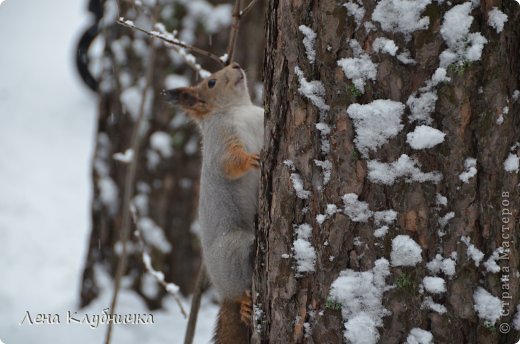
233, 32
135, 143
175, 42
171, 288
200, 285
247, 9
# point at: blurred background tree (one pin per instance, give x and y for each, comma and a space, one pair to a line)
167, 175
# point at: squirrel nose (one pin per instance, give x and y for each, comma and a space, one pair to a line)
235, 65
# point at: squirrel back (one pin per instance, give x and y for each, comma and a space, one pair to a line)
232, 137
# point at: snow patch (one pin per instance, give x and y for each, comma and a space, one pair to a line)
404, 167
308, 42
356, 210
402, 16
488, 307
497, 19
470, 170
304, 252
473, 252
512, 163
360, 295
312, 90
384, 45
434, 285
419, 336
405, 251
359, 68
375, 123
355, 10
425, 137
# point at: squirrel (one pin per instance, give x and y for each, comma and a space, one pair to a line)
232, 131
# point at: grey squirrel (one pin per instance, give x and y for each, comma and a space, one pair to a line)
232, 131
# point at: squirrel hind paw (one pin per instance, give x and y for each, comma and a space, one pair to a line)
246, 308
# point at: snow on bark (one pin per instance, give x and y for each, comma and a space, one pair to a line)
488, 307
497, 19
425, 137
359, 68
375, 123
405, 251
360, 295
402, 16
405, 167
470, 170
308, 42
419, 336
312, 90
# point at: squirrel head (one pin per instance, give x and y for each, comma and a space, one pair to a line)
220, 91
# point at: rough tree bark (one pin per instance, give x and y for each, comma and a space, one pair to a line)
298, 309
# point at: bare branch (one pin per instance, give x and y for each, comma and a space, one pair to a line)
247, 9
233, 33
175, 42
200, 285
171, 288
131, 172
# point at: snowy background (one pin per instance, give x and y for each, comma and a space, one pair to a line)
47, 128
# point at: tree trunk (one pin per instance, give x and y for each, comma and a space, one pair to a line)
302, 298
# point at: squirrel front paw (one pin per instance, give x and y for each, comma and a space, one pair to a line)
237, 161
246, 308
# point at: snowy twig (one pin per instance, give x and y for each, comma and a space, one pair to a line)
200, 285
172, 289
131, 172
174, 42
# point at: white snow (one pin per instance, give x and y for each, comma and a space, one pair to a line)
125, 157
48, 120
421, 107
473, 252
308, 42
175, 81
443, 221
497, 19
324, 129
438, 264
326, 167
387, 173
470, 170
491, 264
153, 235
425, 137
419, 336
381, 232
356, 10
385, 216
512, 163
488, 307
385, 45
402, 16
356, 210
441, 200
359, 68
405, 58
462, 45
429, 304
312, 90
375, 123
297, 183
434, 285
405, 251
162, 143
304, 252
360, 295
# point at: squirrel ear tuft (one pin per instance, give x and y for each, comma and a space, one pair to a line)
183, 96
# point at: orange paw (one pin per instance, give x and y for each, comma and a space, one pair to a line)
246, 308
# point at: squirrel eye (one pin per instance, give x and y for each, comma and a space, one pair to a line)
212, 83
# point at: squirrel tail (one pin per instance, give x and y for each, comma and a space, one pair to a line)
230, 328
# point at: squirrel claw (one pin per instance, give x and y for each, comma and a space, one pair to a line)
246, 308
255, 160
